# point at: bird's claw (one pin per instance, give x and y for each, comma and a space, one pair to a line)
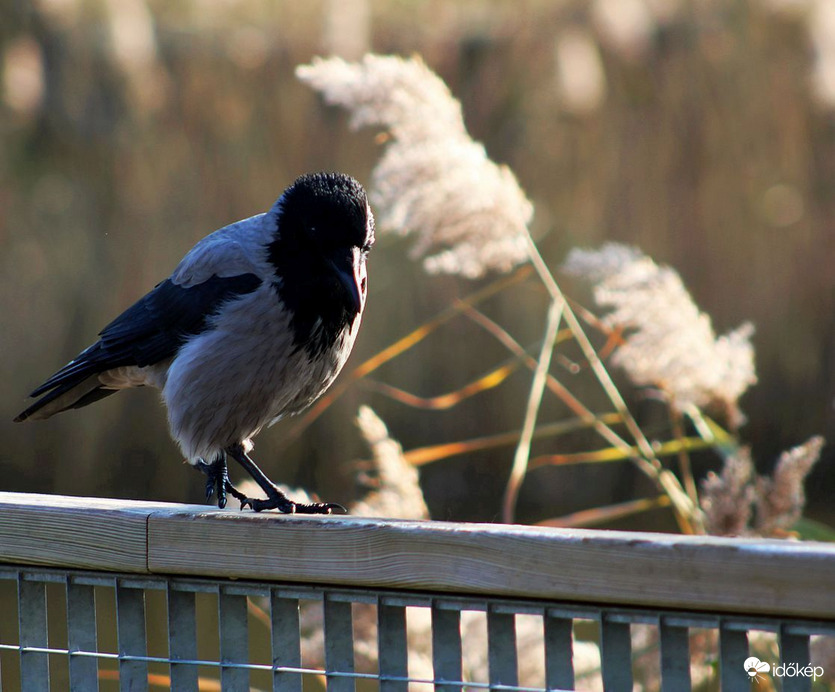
321, 508
275, 498
287, 506
217, 485
217, 481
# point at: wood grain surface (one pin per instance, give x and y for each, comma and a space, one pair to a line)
750, 576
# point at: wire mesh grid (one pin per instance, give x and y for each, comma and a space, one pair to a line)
97, 631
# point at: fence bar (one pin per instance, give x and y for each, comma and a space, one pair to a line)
130, 627
402, 569
446, 647
756, 577
675, 657
286, 642
182, 639
501, 648
34, 666
234, 641
615, 655
392, 646
794, 649
81, 635
733, 650
559, 664
339, 644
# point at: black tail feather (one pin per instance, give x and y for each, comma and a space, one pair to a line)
93, 391
148, 332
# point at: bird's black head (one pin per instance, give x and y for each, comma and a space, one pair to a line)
324, 231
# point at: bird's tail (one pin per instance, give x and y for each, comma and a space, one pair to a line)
76, 384
71, 393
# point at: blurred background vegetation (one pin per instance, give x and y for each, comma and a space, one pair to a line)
702, 131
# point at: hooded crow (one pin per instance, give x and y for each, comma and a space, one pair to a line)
254, 324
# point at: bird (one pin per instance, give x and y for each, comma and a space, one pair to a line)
254, 324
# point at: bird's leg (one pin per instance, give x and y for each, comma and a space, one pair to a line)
275, 498
218, 480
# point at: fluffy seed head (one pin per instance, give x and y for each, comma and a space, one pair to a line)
729, 498
468, 214
669, 343
780, 499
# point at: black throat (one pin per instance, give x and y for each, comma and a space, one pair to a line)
318, 312
320, 223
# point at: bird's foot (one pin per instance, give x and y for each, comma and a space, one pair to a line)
278, 500
275, 498
217, 481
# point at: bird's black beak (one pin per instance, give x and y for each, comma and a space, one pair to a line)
349, 270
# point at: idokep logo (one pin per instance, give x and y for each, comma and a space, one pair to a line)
754, 668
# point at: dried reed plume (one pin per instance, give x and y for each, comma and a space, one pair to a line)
729, 498
670, 344
780, 499
469, 215
396, 492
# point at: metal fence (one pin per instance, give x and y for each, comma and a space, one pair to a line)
367, 604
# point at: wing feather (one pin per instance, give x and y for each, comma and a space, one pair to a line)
148, 332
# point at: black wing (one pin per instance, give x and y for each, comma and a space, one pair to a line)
148, 332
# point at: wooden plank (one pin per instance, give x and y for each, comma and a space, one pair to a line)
750, 576
687, 572
87, 533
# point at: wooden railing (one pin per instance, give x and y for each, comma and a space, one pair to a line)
612, 578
